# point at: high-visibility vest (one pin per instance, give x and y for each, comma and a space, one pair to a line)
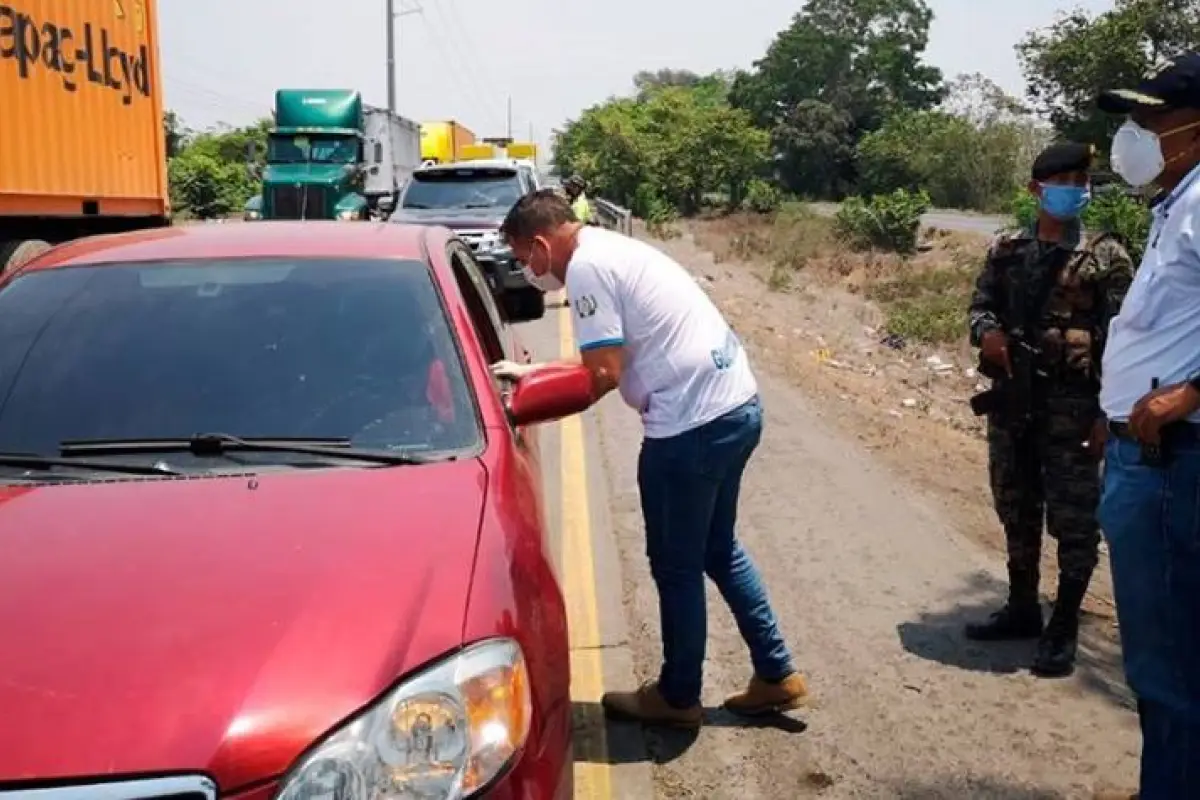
582, 208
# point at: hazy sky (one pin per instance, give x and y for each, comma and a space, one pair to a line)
462, 59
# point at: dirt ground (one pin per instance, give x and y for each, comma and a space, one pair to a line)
867, 511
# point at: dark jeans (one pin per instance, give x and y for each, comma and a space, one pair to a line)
689, 486
1151, 518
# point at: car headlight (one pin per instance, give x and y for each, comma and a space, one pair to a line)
250, 216
348, 214
443, 734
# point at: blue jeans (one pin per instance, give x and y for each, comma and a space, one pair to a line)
1151, 518
689, 486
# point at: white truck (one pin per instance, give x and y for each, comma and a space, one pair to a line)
392, 151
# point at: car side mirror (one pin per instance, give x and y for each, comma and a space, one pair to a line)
549, 393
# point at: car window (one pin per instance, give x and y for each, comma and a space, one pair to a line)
463, 188
489, 324
309, 348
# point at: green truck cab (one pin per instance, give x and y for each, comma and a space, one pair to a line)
329, 156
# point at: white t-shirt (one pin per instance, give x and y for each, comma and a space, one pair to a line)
684, 366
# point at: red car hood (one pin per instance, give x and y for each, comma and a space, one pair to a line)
221, 624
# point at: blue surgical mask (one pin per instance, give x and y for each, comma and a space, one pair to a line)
1065, 202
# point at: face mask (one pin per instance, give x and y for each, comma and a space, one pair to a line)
547, 282
1137, 154
1064, 202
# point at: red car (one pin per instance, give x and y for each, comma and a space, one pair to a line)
269, 528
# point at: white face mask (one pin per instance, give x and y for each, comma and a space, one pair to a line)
547, 282
1137, 154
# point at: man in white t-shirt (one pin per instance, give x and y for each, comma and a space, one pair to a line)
647, 329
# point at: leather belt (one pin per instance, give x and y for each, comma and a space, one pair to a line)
1175, 432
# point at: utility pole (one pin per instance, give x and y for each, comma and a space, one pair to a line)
509, 118
392, 16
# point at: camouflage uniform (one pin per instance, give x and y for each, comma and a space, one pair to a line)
1041, 471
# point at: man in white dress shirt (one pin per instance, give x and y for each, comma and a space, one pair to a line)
1150, 510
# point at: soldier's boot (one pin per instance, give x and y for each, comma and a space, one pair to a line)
1021, 616
1056, 650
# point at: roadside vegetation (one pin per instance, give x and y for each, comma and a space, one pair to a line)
843, 108
207, 170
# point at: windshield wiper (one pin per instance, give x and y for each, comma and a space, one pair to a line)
418, 206
481, 205
35, 462
216, 444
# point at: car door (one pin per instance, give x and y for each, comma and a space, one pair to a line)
499, 339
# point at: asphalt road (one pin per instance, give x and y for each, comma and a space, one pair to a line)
950, 220
871, 586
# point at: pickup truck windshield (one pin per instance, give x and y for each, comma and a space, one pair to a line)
356, 350
463, 189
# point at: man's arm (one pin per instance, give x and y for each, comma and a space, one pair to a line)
983, 315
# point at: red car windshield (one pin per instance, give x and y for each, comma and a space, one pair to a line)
319, 349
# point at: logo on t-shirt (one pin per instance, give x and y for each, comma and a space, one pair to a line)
586, 306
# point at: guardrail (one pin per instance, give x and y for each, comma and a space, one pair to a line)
611, 215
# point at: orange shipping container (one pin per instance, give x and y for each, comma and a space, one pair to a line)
81, 113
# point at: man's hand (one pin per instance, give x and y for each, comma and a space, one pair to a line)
1161, 407
511, 370
994, 349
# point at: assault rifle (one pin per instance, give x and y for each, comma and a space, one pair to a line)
1013, 397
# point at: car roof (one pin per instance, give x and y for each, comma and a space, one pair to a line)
309, 239
483, 163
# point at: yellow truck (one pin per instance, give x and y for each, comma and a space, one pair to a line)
443, 141
478, 151
523, 151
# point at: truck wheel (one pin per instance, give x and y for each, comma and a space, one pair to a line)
14, 254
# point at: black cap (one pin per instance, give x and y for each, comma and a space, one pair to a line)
1061, 158
1173, 85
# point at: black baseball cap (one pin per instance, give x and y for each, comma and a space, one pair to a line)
1172, 86
1061, 158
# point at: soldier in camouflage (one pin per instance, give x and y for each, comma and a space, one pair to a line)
1044, 467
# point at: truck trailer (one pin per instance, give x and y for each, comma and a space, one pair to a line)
443, 142
82, 148
329, 156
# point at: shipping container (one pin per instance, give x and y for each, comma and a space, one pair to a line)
478, 152
82, 148
442, 142
523, 151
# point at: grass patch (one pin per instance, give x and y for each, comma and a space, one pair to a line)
924, 297
927, 305
786, 241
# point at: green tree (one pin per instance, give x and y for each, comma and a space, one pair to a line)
207, 171
837, 72
667, 148
174, 132
1067, 64
973, 152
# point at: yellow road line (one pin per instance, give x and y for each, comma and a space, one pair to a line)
593, 780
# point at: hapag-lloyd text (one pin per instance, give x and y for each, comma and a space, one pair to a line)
89, 55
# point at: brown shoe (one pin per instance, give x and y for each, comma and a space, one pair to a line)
761, 697
646, 705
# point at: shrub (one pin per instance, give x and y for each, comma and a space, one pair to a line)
1126, 217
1111, 211
884, 222
762, 197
